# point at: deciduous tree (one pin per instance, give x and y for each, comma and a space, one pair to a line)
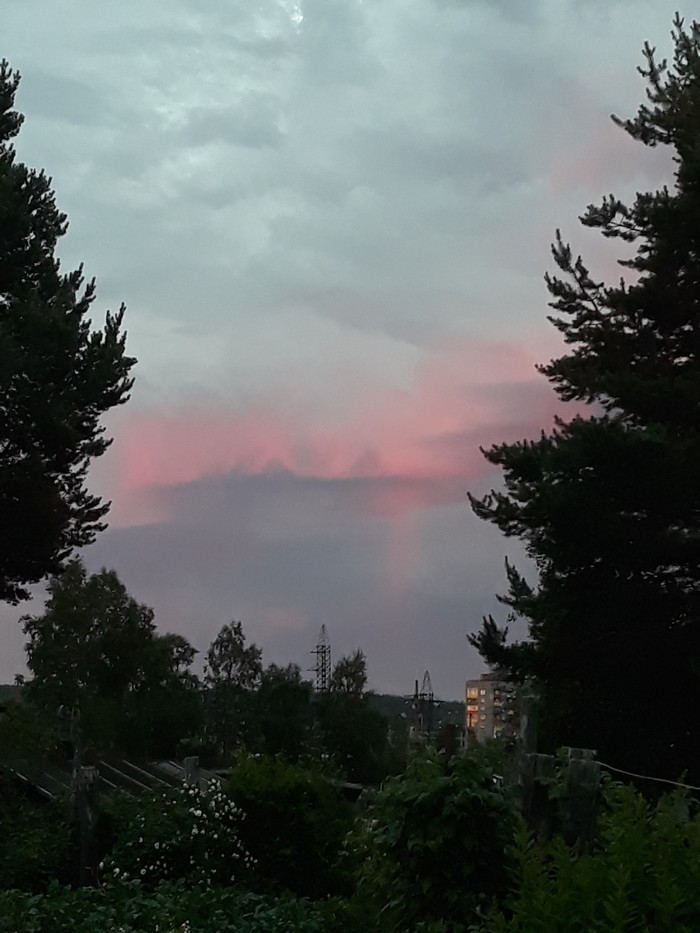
231, 662
284, 712
350, 674
355, 734
232, 673
96, 649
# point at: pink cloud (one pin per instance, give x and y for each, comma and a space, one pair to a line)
278, 617
420, 444
597, 156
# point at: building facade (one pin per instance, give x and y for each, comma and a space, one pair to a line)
490, 707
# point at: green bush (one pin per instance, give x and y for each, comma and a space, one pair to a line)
35, 843
127, 907
22, 734
643, 875
177, 834
296, 822
435, 843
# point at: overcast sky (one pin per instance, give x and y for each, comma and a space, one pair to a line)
329, 221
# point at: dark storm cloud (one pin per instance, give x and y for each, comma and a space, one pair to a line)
288, 554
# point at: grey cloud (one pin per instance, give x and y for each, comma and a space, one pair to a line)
451, 154
255, 122
335, 45
511, 10
225, 36
402, 153
56, 97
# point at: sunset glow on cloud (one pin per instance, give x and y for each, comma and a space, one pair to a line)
465, 396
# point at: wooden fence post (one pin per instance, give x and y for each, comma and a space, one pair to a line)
579, 801
191, 764
83, 789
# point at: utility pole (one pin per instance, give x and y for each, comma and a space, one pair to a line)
82, 797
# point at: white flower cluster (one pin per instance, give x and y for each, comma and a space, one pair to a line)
189, 833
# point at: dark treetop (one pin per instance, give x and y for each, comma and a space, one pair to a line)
609, 505
58, 376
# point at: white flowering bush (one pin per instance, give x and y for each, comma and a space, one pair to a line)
185, 833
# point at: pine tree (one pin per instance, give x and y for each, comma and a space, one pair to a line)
58, 376
608, 505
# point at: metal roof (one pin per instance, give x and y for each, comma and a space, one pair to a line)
53, 779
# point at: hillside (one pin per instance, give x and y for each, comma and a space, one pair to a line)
391, 706
10, 692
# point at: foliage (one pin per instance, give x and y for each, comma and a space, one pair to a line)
644, 875
609, 505
158, 720
296, 822
356, 737
232, 673
350, 674
58, 376
94, 648
188, 834
393, 707
434, 845
176, 907
284, 714
349, 728
21, 733
231, 662
34, 843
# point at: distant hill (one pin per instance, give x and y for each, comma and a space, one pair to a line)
391, 706
10, 692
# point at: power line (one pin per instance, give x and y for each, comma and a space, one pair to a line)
646, 777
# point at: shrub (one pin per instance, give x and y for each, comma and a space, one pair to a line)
644, 874
127, 907
186, 833
296, 822
35, 844
435, 843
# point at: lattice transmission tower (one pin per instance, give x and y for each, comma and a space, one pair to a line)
423, 706
322, 668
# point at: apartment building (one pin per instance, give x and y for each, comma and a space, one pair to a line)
490, 707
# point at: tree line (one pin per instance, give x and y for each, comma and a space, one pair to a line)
98, 663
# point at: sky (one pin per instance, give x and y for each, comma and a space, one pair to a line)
329, 221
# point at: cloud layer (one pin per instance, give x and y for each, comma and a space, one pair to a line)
329, 220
